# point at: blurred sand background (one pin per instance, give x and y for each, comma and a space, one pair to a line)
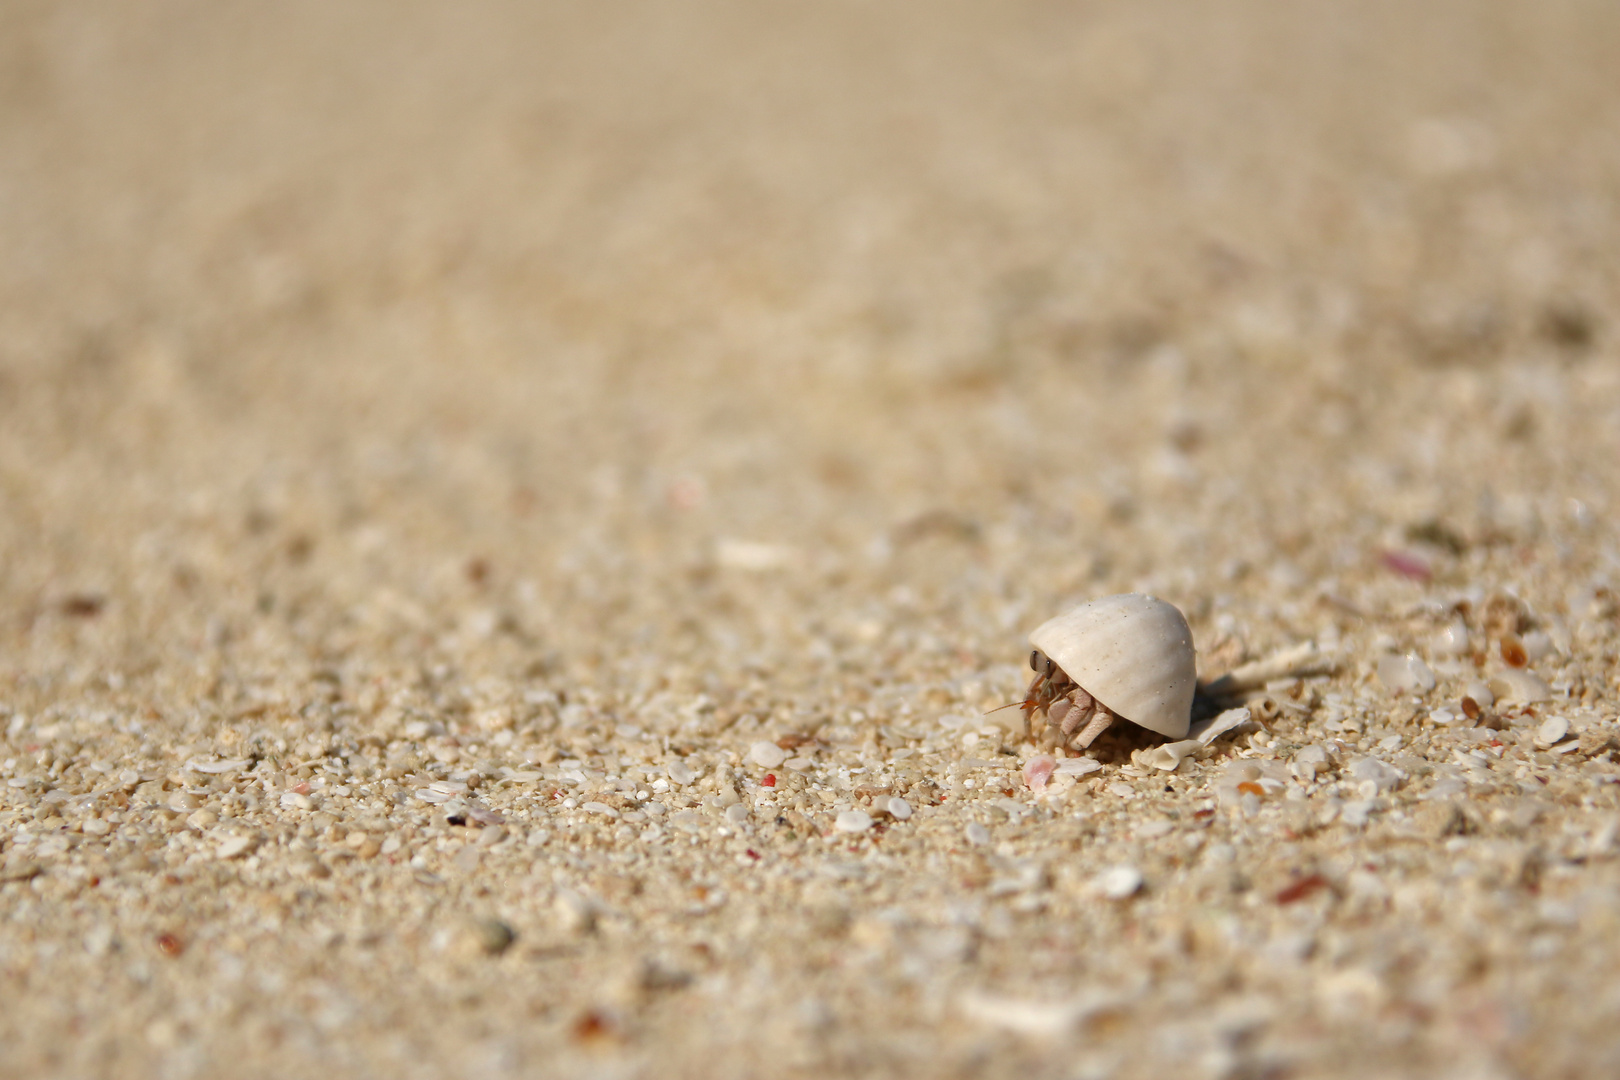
368, 364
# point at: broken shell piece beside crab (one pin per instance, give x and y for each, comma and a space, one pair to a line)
1127, 657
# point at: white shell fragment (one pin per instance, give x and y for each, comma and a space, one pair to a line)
1374, 776
233, 846
1405, 674
1519, 686
1553, 730
1038, 1018
853, 821
1169, 756
1538, 645
1207, 731
1452, 640
754, 555
1250, 778
217, 768
1119, 882
1134, 653
1310, 762
766, 754
1290, 663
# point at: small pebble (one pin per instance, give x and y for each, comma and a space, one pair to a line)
292, 800
766, 754
736, 814
898, 808
599, 808
305, 863
575, 913
853, 821
489, 937
1119, 882
977, 834
184, 801
202, 819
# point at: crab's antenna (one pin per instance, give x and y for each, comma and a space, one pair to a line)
1010, 705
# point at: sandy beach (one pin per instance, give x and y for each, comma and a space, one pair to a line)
514, 519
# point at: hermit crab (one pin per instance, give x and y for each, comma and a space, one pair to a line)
1127, 657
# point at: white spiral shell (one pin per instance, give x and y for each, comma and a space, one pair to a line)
1133, 652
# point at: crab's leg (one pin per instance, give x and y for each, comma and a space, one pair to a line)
1080, 705
1058, 711
1100, 720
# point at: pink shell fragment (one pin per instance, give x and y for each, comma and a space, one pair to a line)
1037, 771
1407, 565
483, 814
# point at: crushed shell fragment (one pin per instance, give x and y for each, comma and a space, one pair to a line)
1119, 882
853, 821
1553, 730
1405, 674
767, 754
1520, 686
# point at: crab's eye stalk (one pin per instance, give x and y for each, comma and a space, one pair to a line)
1040, 663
